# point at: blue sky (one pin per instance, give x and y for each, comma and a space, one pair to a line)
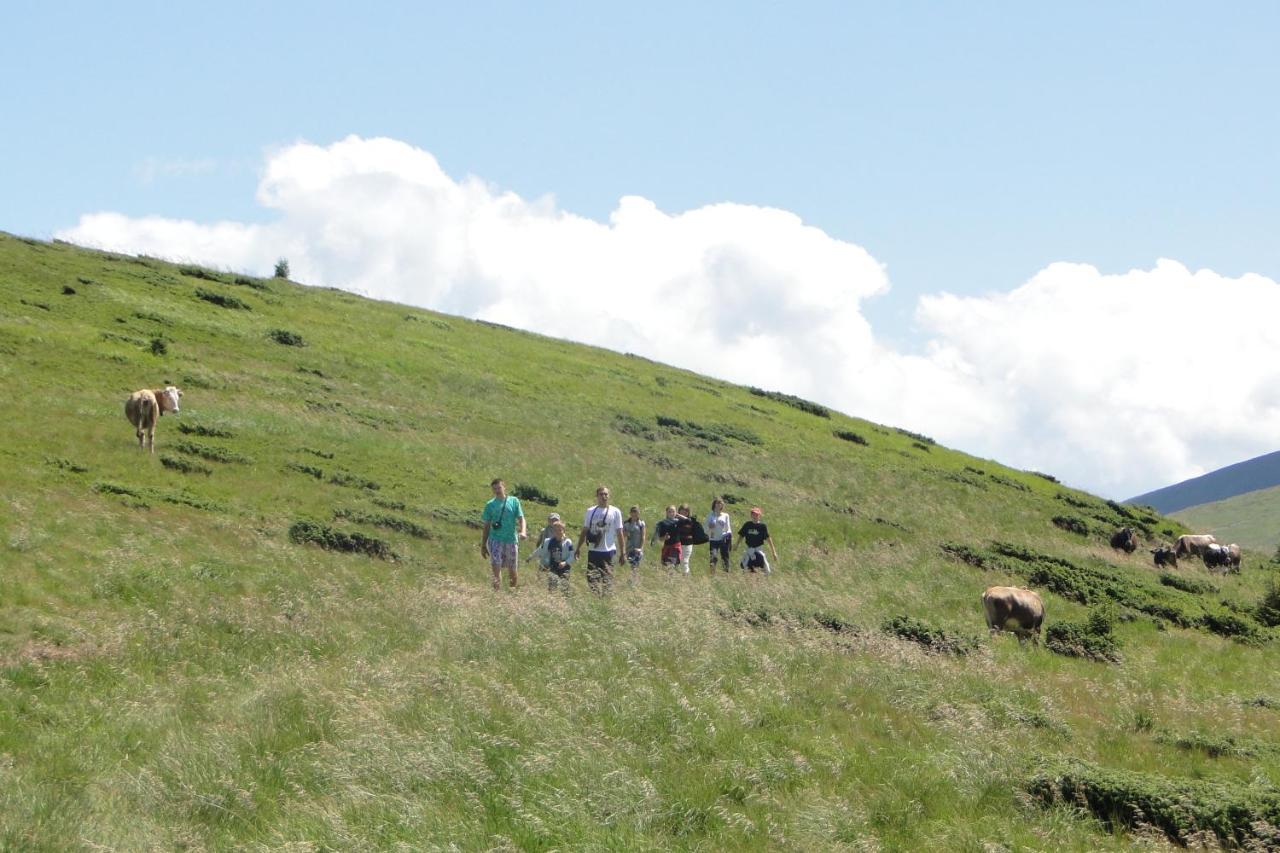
965, 146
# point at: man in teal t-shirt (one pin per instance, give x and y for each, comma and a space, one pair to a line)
503, 524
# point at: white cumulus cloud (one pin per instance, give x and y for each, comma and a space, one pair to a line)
1110, 382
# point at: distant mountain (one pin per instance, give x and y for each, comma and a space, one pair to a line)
1262, 472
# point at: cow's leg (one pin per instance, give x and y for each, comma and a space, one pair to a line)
141, 435
151, 439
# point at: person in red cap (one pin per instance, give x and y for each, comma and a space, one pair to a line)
754, 534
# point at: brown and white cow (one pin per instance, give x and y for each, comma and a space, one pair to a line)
1016, 609
1226, 557
1193, 544
144, 408
1125, 540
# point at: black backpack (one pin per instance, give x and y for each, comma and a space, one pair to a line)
691, 532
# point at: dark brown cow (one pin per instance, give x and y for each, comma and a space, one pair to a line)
1016, 609
1193, 544
1125, 540
144, 408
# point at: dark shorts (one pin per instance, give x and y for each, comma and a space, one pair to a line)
720, 547
600, 570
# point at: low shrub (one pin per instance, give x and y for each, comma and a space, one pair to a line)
629, 425
68, 290
1268, 609
159, 347
390, 522
1009, 483
850, 436
933, 639
526, 492
326, 537
793, 402
920, 446
282, 268
1071, 524
309, 470
1219, 745
246, 281
188, 428
287, 338
220, 299
342, 478
68, 465
1092, 639
1238, 814
200, 273
186, 466
386, 503
1191, 585
320, 453
915, 436
1044, 476
209, 452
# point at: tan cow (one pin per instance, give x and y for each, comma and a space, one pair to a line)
1016, 609
1193, 544
144, 408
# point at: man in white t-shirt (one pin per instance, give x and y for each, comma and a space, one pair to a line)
602, 533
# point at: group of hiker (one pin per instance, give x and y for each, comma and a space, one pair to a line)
610, 539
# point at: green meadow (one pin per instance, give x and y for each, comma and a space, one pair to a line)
178, 671
1251, 519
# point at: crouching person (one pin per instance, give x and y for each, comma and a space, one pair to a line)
555, 555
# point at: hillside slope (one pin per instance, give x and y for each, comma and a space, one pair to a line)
181, 672
1251, 519
1261, 472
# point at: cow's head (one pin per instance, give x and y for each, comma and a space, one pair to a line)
171, 396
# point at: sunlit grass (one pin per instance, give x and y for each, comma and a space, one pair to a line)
182, 675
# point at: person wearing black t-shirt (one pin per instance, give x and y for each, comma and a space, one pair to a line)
665, 530
754, 534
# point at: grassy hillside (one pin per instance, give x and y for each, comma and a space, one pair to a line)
178, 672
1251, 519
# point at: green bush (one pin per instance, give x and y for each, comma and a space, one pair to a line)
1268, 609
1196, 587
287, 338
1238, 814
793, 402
933, 639
915, 436
188, 428
850, 436
221, 299
390, 522
1071, 524
341, 478
526, 492
210, 453
329, 539
1092, 639
159, 347
282, 268
184, 465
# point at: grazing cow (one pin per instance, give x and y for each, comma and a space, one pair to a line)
1193, 545
1125, 540
1016, 609
1165, 556
1226, 557
144, 408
